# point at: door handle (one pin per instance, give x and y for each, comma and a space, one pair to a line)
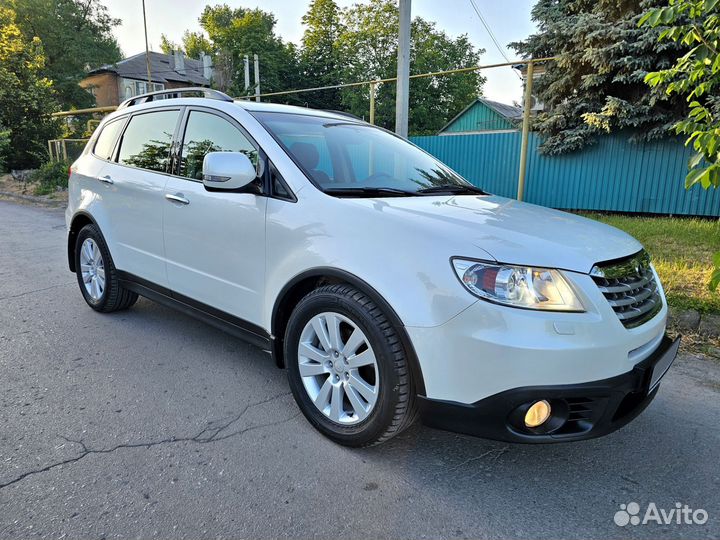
177, 198
106, 179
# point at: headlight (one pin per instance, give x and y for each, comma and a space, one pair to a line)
519, 286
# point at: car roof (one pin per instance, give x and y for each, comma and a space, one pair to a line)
255, 106
250, 106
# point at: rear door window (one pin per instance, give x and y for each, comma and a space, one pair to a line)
147, 140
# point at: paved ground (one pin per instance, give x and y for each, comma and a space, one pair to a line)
151, 424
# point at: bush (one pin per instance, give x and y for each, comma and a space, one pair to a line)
50, 176
4, 147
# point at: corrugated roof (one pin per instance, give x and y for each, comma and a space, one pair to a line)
162, 69
508, 111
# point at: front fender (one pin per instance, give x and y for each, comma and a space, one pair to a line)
409, 268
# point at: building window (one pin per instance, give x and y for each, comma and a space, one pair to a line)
133, 88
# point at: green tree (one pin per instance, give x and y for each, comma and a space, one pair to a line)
167, 46
368, 46
75, 34
26, 97
234, 33
597, 84
194, 45
695, 77
319, 57
4, 147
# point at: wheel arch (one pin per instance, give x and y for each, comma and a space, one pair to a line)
79, 220
309, 280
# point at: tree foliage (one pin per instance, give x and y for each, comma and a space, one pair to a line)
26, 96
694, 76
341, 46
233, 33
167, 46
597, 84
75, 34
320, 58
194, 45
367, 44
4, 147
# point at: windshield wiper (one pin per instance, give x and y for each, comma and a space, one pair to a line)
454, 189
370, 192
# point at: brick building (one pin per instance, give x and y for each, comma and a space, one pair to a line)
113, 83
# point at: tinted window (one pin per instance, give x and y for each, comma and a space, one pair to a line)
205, 133
279, 188
147, 139
344, 154
313, 152
106, 140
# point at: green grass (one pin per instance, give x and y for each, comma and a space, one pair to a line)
681, 250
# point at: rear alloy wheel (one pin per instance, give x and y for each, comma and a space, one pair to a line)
92, 269
96, 273
347, 367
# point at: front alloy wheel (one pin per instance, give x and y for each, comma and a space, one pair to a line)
347, 367
338, 368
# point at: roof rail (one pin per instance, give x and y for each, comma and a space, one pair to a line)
174, 93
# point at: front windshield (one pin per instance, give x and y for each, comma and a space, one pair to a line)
345, 157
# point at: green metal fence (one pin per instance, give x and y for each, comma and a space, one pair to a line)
612, 175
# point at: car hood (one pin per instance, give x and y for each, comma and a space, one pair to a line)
511, 232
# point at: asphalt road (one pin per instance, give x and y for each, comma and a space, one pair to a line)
150, 424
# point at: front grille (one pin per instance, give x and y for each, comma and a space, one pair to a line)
630, 288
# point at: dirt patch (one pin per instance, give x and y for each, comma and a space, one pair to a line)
24, 190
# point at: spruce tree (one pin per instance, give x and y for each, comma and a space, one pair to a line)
597, 84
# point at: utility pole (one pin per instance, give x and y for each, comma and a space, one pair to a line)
147, 49
402, 100
257, 77
525, 129
246, 61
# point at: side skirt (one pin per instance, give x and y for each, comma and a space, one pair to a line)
236, 326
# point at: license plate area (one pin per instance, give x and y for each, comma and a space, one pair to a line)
661, 366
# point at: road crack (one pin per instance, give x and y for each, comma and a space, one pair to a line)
37, 290
496, 454
216, 431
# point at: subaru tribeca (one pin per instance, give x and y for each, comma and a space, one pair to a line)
387, 285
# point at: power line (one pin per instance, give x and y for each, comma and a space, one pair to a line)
347, 85
490, 33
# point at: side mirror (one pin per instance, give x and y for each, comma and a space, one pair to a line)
227, 170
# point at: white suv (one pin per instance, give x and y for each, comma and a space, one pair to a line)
386, 284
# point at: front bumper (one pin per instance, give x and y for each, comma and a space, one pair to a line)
580, 411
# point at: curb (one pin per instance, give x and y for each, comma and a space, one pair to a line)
690, 320
33, 199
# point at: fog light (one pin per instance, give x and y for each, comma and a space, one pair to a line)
537, 414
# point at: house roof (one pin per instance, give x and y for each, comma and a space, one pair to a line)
162, 69
510, 112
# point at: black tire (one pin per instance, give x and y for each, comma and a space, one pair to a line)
395, 409
114, 297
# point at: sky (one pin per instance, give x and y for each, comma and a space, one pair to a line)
508, 19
